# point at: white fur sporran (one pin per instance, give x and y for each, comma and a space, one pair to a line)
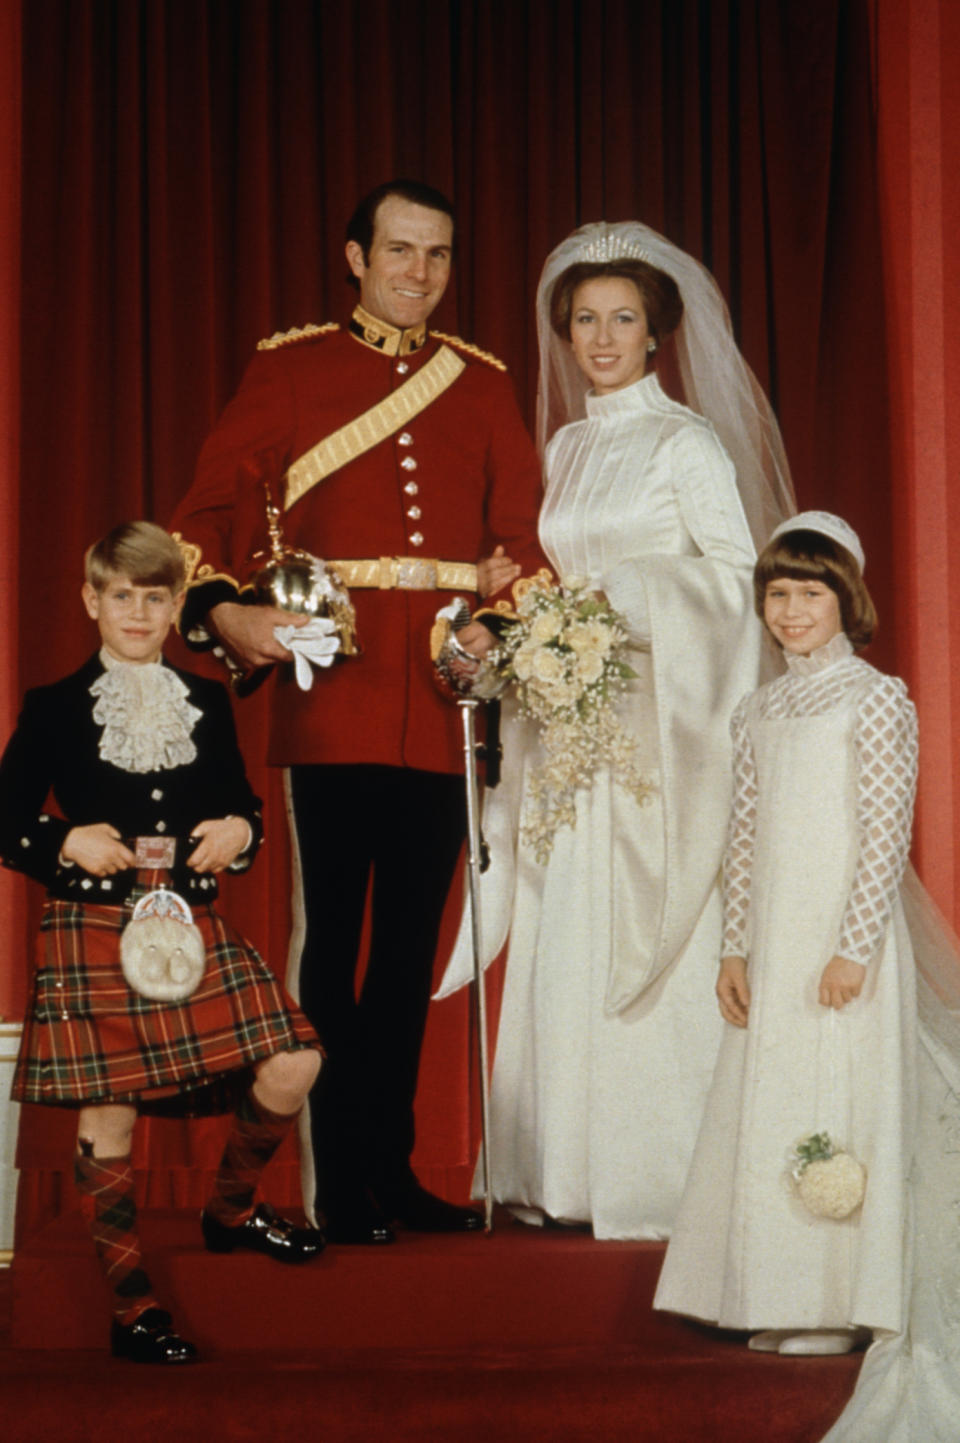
162, 952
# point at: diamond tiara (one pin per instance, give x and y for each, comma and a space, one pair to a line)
612, 248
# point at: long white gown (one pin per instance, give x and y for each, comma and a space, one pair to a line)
609, 1029
826, 764
825, 776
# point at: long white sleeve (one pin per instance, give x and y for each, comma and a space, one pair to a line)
741, 835
886, 742
704, 486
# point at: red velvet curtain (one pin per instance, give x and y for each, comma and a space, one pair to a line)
12, 888
188, 169
917, 52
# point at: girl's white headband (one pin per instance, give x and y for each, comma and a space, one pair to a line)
828, 525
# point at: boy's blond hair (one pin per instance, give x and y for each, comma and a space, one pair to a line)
139, 550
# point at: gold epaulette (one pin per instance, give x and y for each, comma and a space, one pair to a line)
469, 349
191, 554
195, 574
542, 579
296, 333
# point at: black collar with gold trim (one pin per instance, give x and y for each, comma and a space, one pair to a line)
386, 339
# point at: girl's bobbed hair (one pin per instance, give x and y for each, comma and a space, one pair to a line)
811, 556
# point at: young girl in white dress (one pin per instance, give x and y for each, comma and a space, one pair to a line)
819, 985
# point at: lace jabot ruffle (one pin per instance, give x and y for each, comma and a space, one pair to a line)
146, 718
838, 648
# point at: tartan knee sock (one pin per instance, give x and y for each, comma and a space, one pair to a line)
105, 1185
254, 1136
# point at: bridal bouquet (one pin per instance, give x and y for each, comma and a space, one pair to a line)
830, 1181
567, 659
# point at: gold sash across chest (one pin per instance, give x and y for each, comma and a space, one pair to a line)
382, 420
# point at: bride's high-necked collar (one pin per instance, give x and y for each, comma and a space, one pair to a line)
645, 392
834, 651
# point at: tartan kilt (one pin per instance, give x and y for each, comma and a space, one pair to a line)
89, 1038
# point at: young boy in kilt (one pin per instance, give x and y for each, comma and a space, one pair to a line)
143, 762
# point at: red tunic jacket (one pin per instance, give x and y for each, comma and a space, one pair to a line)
459, 479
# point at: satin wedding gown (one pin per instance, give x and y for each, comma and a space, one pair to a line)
609, 1026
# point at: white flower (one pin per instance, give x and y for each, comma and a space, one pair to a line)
590, 638
547, 666
523, 662
590, 667
565, 692
546, 626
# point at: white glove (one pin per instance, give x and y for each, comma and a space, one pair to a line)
316, 642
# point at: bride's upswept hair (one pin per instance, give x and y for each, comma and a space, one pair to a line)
659, 292
811, 556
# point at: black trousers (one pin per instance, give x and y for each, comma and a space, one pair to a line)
400, 831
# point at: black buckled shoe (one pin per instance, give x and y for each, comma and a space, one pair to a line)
424, 1212
263, 1232
357, 1221
150, 1339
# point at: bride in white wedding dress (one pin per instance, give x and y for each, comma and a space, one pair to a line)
608, 1030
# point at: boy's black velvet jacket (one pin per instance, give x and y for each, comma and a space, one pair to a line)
56, 747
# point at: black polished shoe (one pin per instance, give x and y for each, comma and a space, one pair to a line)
424, 1212
150, 1339
358, 1222
263, 1232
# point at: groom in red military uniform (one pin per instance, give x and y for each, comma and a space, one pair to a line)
397, 455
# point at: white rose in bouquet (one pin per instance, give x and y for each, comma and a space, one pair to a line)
565, 692
590, 638
547, 666
590, 667
523, 662
545, 627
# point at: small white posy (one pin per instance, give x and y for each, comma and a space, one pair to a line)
830, 1181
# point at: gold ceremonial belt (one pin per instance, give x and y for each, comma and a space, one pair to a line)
406, 573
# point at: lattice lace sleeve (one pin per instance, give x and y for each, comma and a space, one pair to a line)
741, 832
886, 742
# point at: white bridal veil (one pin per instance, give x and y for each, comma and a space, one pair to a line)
717, 381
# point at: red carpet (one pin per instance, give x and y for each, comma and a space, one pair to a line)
523, 1335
